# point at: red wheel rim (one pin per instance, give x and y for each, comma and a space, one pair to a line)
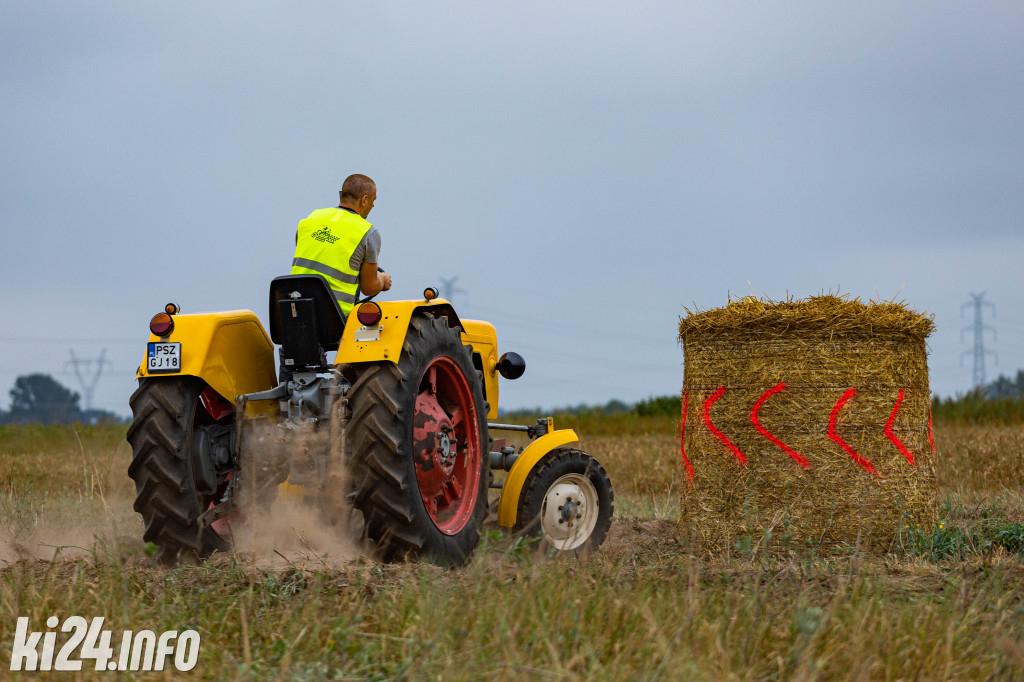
446, 446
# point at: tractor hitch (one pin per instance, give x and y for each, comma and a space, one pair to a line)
543, 426
503, 457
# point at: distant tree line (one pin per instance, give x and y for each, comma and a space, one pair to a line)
1000, 401
660, 406
41, 399
1005, 387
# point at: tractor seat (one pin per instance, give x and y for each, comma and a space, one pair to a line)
305, 320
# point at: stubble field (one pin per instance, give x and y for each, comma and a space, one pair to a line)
945, 603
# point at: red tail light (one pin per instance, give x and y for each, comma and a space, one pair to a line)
368, 314
162, 324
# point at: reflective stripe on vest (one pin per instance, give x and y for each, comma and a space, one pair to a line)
324, 245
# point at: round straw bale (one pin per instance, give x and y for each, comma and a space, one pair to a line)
808, 419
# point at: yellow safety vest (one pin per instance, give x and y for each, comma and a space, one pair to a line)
324, 244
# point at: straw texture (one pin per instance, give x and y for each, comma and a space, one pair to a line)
808, 418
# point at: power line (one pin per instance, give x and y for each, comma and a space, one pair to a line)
64, 339
979, 328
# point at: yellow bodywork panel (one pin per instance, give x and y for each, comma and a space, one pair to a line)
291, 492
508, 506
484, 340
230, 351
385, 340
391, 332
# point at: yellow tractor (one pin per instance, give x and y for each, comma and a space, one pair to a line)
398, 427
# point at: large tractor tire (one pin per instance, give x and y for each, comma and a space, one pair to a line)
567, 501
165, 413
419, 447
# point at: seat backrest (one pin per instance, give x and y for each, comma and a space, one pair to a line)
304, 313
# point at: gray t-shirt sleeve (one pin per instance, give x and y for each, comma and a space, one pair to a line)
367, 251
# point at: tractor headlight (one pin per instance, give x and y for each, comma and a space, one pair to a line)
511, 365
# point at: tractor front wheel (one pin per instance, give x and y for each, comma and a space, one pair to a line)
419, 444
567, 500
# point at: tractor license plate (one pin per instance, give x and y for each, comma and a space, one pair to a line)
164, 357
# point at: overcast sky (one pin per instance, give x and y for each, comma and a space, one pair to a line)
584, 168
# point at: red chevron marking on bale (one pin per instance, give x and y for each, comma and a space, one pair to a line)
682, 437
892, 436
764, 432
718, 434
839, 441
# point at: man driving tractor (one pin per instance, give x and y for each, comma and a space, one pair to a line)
342, 246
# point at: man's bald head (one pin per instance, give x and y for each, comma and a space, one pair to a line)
357, 186
358, 193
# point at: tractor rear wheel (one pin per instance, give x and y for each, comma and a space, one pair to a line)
166, 412
567, 500
419, 447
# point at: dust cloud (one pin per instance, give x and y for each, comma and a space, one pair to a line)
290, 529
294, 534
62, 530
309, 526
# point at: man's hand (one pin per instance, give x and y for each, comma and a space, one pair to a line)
373, 281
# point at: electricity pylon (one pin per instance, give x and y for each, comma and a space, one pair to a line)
82, 367
979, 328
449, 290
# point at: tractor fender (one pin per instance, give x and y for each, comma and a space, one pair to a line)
230, 351
508, 506
385, 340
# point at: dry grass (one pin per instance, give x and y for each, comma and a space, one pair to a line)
980, 462
642, 608
62, 489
